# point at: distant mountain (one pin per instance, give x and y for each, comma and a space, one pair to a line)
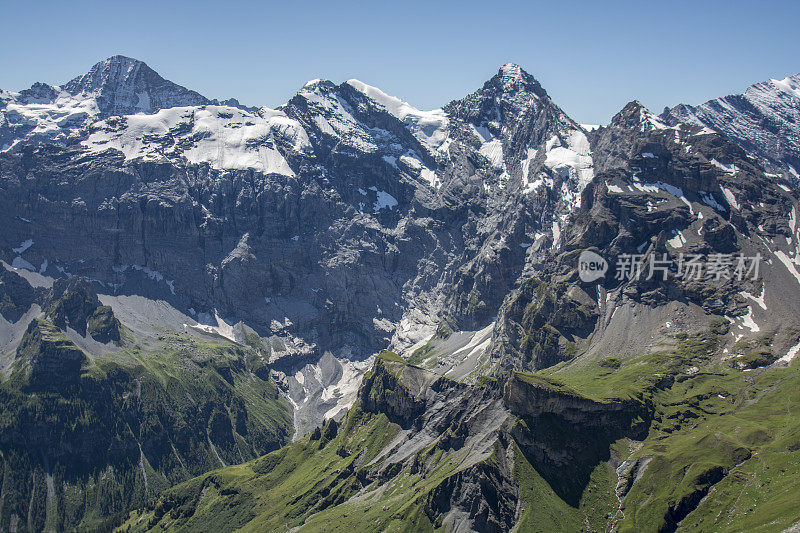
189, 284
124, 86
765, 121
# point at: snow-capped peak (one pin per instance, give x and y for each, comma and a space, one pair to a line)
311, 84
635, 114
39, 93
650, 120
429, 127
789, 84
511, 70
224, 137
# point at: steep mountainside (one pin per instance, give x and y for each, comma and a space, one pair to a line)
641, 445
97, 417
765, 121
596, 330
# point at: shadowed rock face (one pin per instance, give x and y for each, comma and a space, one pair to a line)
565, 436
16, 295
55, 362
73, 303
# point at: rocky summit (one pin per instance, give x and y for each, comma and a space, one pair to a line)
348, 312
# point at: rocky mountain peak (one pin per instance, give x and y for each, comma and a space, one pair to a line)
636, 116
316, 85
508, 95
511, 78
123, 85
629, 114
38, 93
111, 72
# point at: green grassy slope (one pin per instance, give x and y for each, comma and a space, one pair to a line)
81, 444
709, 448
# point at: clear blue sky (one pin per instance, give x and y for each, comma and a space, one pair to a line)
592, 57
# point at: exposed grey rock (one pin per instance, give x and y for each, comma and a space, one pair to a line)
658, 190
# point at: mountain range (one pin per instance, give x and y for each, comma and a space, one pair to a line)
347, 311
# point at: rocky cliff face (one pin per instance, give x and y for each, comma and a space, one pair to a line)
661, 194
454, 449
619, 443
53, 361
72, 303
16, 295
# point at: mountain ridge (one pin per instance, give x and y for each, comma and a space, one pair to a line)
762, 120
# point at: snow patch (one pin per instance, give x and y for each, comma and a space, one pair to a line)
23, 246
223, 329
793, 351
54, 121
730, 169
223, 137
730, 197
574, 157
710, 201
20, 263
748, 322
759, 300
677, 241
790, 266
384, 200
